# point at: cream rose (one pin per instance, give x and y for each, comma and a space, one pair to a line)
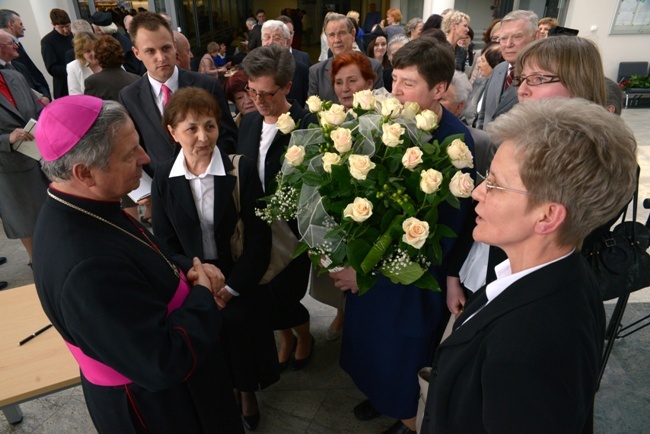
342, 138
430, 181
295, 155
461, 185
415, 232
392, 134
364, 100
427, 120
334, 116
359, 210
412, 157
360, 165
460, 155
286, 123
330, 158
314, 103
410, 110
391, 108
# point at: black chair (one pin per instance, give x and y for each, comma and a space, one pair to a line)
627, 70
614, 329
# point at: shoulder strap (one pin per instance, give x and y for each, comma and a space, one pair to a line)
234, 158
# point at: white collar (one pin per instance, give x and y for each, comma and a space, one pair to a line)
215, 168
171, 83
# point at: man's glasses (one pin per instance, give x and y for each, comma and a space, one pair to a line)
275, 39
262, 95
535, 79
489, 185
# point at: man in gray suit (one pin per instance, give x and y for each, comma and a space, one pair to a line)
518, 29
340, 37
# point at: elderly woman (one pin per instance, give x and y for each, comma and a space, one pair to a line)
195, 214
22, 184
489, 59
85, 63
141, 321
561, 66
207, 65
270, 69
236, 93
526, 350
413, 28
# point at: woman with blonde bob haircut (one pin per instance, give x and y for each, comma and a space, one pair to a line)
569, 61
526, 350
85, 63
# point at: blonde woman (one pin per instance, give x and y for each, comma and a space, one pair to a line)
85, 63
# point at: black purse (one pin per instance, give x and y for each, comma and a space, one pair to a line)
619, 258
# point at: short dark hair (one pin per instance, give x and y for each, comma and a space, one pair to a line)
109, 52
59, 17
148, 21
189, 100
435, 61
7, 17
260, 10
492, 52
285, 19
433, 22
270, 61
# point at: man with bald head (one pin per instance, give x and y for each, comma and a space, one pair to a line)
11, 23
183, 51
8, 53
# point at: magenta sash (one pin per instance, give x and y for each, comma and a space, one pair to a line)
100, 374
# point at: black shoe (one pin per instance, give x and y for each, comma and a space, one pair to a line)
398, 428
3, 260
251, 422
284, 365
3, 285
298, 364
365, 411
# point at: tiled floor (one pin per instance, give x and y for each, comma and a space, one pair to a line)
320, 398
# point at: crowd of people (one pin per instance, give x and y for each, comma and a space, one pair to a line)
172, 329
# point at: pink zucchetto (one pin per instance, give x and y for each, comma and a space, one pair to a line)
63, 122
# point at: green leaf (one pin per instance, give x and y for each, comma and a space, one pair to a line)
445, 231
365, 282
313, 179
386, 220
451, 138
407, 275
302, 248
376, 253
356, 251
429, 148
453, 201
427, 281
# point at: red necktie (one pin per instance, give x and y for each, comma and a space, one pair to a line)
167, 93
510, 77
4, 90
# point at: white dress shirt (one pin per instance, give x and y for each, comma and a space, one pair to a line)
156, 86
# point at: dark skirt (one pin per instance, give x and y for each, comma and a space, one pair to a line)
286, 291
389, 335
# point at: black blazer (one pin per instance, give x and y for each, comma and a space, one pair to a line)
527, 362
139, 100
53, 49
302, 57
176, 222
107, 83
35, 73
250, 131
299, 84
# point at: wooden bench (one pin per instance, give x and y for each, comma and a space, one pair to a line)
39, 367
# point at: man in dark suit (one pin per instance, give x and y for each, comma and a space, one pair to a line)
145, 98
54, 45
278, 33
518, 29
525, 353
298, 56
254, 34
11, 23
340, 34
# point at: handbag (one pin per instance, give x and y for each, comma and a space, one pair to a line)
619, 258
283, 244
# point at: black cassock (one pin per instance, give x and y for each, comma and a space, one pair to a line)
108, 294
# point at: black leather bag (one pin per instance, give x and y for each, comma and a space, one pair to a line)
619, 258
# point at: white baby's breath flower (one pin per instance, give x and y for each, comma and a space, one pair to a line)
286, 123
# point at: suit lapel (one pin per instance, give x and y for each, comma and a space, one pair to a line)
187, 217
223, 189
146, 97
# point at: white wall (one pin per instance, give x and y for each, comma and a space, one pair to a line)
585, 14
36, 19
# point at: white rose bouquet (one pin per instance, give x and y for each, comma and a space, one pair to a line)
365, 187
